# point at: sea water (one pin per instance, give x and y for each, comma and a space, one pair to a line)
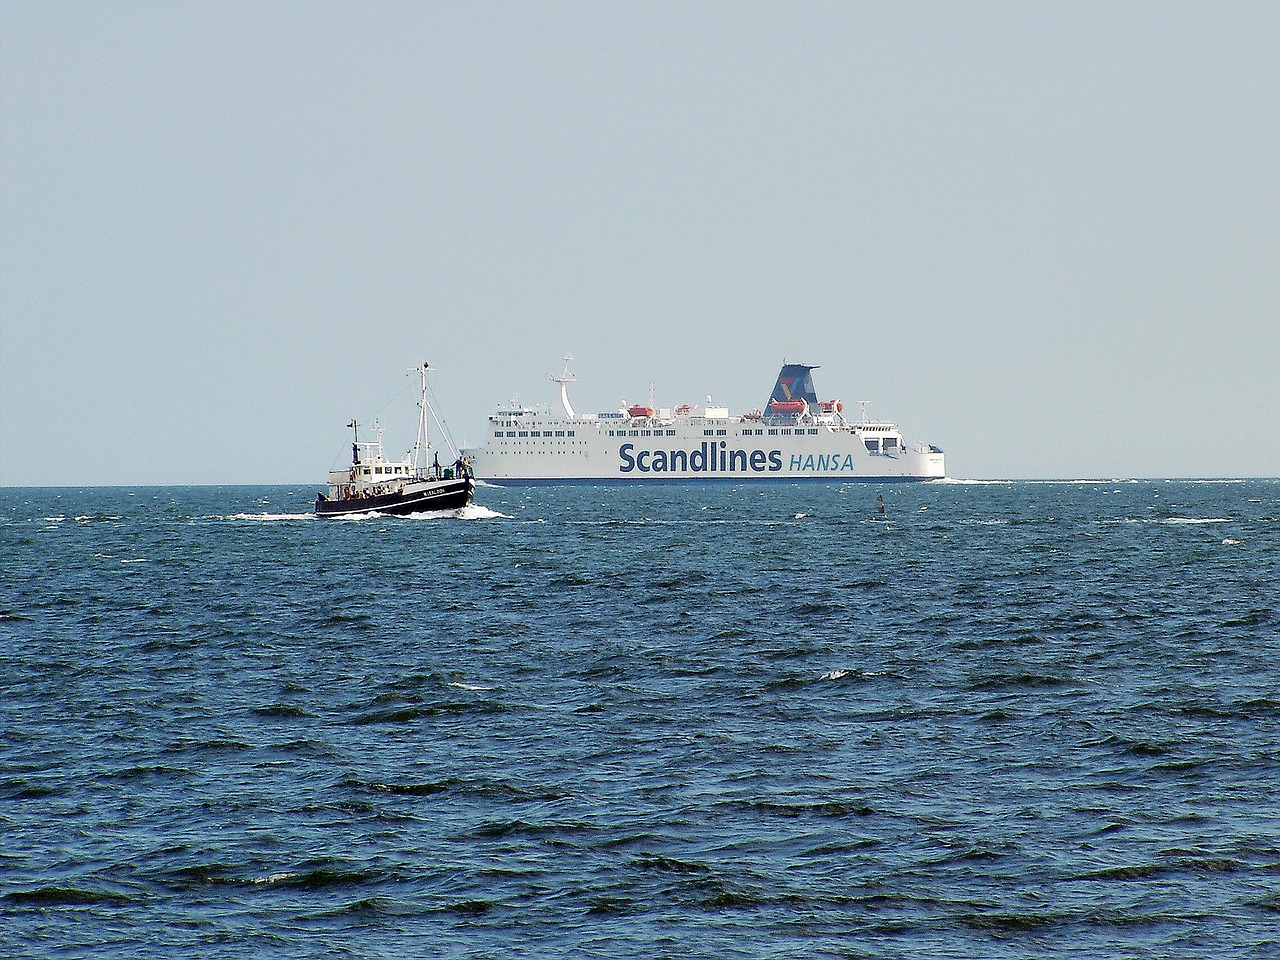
993, 720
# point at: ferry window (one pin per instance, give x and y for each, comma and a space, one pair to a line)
773, 432
873, 445
721, 433
559, 433
524, 433
814, 431
571, 433
671, 433
633, 433
708, 433
786, 430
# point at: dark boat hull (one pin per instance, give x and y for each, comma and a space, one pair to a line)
416, 497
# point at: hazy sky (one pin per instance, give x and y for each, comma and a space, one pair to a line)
1045, 237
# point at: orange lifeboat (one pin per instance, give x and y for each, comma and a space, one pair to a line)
831, 406
639, 411
683, 408
753, 415
786, 408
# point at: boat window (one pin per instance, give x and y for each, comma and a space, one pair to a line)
873, 445
721, 433
773, 432
671, 433
814, 431
786, 431
571, 433
708, 433
524, 433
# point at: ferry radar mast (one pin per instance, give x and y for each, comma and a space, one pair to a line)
564, 380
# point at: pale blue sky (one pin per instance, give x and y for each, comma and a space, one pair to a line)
1045, 237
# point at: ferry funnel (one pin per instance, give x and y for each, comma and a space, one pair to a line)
794, 383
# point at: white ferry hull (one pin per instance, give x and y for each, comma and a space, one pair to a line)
831, 458
795, 437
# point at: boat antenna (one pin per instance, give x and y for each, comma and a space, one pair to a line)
355, 441
863, 405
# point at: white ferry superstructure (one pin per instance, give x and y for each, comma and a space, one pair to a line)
794, 436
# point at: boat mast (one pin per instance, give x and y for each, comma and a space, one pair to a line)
422, 445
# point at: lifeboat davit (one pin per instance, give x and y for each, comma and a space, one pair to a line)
831, 406
684, 408
786, 408
639, 411
753, 415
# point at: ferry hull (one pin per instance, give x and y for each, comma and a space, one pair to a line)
840, 459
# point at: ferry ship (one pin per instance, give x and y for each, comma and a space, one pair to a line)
794, 436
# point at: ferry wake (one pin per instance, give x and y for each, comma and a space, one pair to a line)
795, 436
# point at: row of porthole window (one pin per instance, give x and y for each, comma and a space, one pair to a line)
537, 433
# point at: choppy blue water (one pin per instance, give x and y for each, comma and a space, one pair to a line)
1019, 720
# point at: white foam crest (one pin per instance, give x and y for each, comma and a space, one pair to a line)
476, 511
274, 878
468, 686
836, 674
1232, 543
1180, 521
957, 481
472, 511
270, 516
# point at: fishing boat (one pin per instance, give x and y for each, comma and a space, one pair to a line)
375, 484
